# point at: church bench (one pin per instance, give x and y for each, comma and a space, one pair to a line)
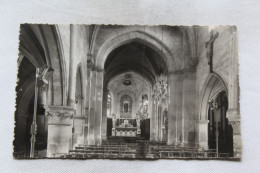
169, 153
174, 151
126, 156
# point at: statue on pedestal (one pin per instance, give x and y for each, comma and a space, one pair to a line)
160, 89
138, 122
114, 120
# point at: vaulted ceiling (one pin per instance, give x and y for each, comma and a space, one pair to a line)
129, 81
136, 57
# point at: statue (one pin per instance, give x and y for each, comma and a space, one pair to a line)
114, 120
165, 117
160, 89
209, 46
213, 105
125, 107
138, 120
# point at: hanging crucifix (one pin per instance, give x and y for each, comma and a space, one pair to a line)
209, 46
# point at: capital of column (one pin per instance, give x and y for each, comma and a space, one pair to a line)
233, 117
90, 61
90, 64
61, 112
193, 62
233, 114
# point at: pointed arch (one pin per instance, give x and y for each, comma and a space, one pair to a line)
213, 85
137, 36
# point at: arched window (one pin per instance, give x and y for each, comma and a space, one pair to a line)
125, 106
108, 104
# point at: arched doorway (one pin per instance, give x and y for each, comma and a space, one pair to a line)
215, 132
220, 133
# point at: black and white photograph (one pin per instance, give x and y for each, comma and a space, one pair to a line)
91, 91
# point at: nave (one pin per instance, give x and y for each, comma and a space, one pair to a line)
127, 92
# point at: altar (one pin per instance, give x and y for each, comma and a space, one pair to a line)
125, 127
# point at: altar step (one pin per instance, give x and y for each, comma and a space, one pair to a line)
121, 139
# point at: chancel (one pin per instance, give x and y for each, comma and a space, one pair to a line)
128, 92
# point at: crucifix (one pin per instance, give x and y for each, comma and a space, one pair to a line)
209, 46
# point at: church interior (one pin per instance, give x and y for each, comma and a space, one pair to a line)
119, 91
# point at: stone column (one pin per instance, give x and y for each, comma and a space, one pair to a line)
172, 107
59, 130
175, 81
98, 108
159, 125
153, 122
72, 70
88, 71
92, 101
233, 113
188, 110
104, 116
178, 97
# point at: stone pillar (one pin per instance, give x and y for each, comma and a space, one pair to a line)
92, 101
175, 81
159, 125
59, 130
153, 122
78, 130
233, 113
98, 108
87, 110
203, 133
72, 69
172, 113
188, 108
178, 97
104, 116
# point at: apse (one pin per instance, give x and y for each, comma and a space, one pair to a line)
130, 71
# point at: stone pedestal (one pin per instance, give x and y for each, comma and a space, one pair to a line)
113, 132
78, 132
234, 120
138, 132
59, 129
203, 133
154, 122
